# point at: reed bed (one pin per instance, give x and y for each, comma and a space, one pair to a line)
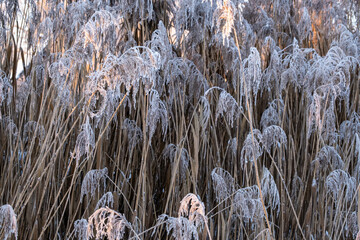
179, 119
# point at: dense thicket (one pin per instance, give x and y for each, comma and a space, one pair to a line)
113, 112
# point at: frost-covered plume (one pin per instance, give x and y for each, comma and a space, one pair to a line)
8, 223
349, 128
85, 141
92, 181
107, 200
5, 89
135, 65
10, 127
107, 223
340, 184
227, 107
59, 70
266, 24
304, 25
357, 153
190, 15
160, 43
191, 217
273, 114
80, 229
268, 46
176, 74
351, 226
322, 113
224, 17
23, 91
157, 112
78, 13
182, 76
332, 70
328, 157
247, 203
252, 74
97, 100
347, 42
44, 32
297, 186
297, 66
114, 97
271, 62
273, 136
32, 127
96, 28
196, 81
205, 113
223, 182
251, 149
193, 208
60, 73
134, 133
180, 228
232, 146
102, 34
172, 151
270, 190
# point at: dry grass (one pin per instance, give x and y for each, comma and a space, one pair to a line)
162, 119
